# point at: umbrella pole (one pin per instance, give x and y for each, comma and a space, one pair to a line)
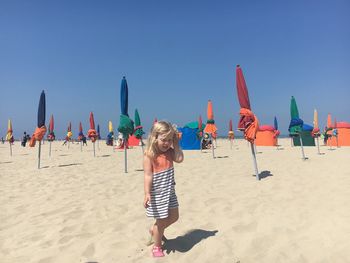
39, 153
231, 144
318, 145
10, 148
98, 144
201, 143
337, 141
81, 146
113, 144
302, 148
212, 146
50, 150
125, 156
68, 144
254, 162
142, 146
94, 149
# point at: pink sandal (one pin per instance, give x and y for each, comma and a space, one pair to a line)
157, 252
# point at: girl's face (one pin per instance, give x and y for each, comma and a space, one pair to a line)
164, 142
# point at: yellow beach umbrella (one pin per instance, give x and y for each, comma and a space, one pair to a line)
9, 135
110, 126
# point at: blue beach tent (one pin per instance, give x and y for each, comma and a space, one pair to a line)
190, 138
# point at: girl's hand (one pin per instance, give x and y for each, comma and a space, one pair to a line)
146, 200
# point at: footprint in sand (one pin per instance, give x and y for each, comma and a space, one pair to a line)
89, 251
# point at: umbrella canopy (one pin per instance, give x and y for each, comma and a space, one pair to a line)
81, 134
138, 132
41, 110
124, 97
242, 91
126, 125
110, 126
296, 124
315, 131
40, 131
51, 134
200, 127
294, 113
231, 134
210, 127
329, 121
248, 121
9, 135
52, 124
92, 134
98, 132
275, 123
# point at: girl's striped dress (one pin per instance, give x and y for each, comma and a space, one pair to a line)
163, 196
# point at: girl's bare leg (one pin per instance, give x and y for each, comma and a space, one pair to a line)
161, 224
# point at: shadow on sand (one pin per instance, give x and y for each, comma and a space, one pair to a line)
70, 164
264, 174
226, 156
188, 241
5, 162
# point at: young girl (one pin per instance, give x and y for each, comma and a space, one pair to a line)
160, 198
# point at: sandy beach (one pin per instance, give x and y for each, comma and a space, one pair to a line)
81, 208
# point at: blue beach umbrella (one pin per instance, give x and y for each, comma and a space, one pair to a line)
126, 125
41, 129
275, 123
124, 97
98, 132
42, 110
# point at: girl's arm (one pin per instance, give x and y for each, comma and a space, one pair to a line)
178, 154
147, 168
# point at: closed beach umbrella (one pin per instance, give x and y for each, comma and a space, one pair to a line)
296, 124
110, 135
81, 134
275, 123
200, 130
329, 121
51, 135
126, 125
98, 132
40, 130
138, 131
92, 134
9, 135
316, 130
110, 126
248, 122
210, 126
231, 134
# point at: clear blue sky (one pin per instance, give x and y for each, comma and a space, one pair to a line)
175, 55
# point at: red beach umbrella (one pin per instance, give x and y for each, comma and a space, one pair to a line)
248, 122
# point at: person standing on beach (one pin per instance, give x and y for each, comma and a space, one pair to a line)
160, 198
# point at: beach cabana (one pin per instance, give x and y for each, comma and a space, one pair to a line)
266, 136
190, 139
343, 135
306, 136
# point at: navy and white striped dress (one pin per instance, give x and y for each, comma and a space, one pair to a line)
163, 196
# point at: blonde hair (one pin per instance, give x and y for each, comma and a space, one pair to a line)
163, 128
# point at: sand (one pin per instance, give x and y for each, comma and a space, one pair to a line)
81, 208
